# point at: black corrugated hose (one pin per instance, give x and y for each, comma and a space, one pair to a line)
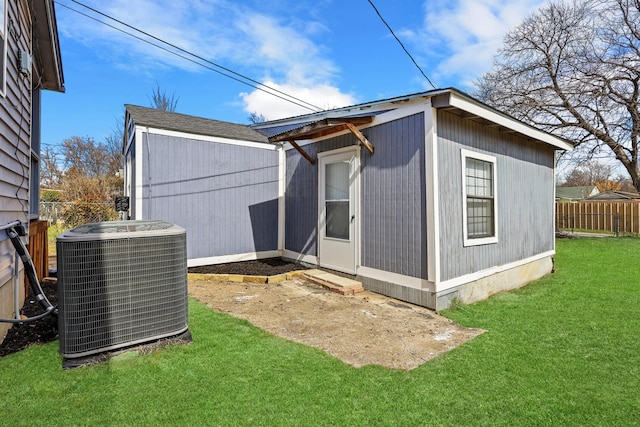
34, 284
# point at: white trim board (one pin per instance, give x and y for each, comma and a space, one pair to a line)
298, 257
457, 101
222, 259
395, 278
472, 277
207, 138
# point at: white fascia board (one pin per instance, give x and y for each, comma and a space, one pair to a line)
457, 101
207, 138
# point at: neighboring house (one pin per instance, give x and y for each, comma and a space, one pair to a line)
29, 63
426, 197
614, 196
575, 194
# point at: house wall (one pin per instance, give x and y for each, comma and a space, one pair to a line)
393, 226
393, 223
225, 195
524, 202
301, 196
15, 155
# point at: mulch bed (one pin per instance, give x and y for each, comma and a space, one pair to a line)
39, 332
45, 330
261, 267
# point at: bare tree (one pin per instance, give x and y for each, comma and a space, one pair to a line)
160, 100
589, 173
255, 118
573, 68
50, 172
90, 170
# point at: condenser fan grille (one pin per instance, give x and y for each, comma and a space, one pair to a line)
121, 291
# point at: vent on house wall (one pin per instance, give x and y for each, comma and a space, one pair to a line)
120, 283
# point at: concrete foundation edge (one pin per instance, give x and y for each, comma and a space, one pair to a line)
466, 293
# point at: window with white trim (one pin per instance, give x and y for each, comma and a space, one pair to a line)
3, 47
479, 193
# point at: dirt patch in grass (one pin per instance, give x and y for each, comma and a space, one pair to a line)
365, 329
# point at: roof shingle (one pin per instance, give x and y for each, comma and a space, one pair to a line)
144, 116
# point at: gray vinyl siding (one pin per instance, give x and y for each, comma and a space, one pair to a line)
15, 154
525, 203
393, 203
225, 196
301, 197
393, 223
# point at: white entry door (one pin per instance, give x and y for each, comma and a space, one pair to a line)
338, 209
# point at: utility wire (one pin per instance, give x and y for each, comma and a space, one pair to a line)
398, 40
257, 85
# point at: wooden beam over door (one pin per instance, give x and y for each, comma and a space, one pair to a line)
363, 139
301, 151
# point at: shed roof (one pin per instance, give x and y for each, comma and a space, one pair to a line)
144, 116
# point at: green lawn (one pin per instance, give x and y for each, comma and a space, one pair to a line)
564, 350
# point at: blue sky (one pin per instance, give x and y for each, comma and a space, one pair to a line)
330, 53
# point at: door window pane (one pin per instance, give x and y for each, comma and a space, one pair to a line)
336, 195
338, 220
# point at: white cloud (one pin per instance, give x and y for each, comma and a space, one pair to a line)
320, 95
462, 36
261, 46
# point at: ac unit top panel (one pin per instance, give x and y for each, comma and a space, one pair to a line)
120, 230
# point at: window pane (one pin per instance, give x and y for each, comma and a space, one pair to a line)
480, 201
337, 219
337, 181
479, 217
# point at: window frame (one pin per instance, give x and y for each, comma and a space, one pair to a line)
476, 241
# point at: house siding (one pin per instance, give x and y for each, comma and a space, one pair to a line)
393, 198
224, 195
301, 197
524, 205
15, 151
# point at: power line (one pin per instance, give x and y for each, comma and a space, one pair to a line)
257, 85
398, 40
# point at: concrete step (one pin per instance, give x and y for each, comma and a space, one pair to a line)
333, 282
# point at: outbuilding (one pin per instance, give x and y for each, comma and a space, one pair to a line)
427, 197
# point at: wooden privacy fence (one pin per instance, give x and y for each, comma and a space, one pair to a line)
607, 216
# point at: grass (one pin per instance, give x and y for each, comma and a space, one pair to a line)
564, 350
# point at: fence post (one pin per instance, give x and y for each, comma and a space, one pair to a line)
616, 218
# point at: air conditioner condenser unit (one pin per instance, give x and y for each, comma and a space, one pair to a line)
120, 284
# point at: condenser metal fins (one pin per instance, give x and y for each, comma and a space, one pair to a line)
120, 284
